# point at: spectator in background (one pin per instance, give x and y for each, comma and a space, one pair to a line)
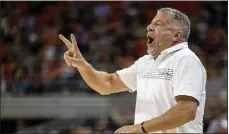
20, 81
102, 10
87, 126
102, 126
120, 116
36, 85
219, 123
217, 75
81, 129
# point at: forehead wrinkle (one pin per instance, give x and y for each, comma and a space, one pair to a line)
157, 21
166, 18
170, 20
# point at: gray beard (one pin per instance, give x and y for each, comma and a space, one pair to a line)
155, 52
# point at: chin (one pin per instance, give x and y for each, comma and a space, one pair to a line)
150, 51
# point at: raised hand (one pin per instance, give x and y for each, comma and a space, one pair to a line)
73, 56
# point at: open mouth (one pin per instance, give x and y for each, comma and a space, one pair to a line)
150, 39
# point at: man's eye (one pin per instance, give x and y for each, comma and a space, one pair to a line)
156, 24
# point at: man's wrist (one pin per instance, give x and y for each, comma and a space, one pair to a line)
142, 127
84, 66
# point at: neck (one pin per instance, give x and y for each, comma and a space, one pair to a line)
156, 55
163, 47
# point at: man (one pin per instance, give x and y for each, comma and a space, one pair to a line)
170, 80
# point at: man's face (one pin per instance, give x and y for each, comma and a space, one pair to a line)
160, 33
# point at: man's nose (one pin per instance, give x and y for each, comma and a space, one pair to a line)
150, 28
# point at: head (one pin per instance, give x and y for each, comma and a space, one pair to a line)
167, 28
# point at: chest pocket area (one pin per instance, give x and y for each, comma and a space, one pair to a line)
161, 84
154, 83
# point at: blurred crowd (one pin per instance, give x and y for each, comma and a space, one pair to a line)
111, 36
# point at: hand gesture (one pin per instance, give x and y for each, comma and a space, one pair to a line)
73, 56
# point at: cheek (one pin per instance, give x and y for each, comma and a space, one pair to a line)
158, 34
167, 34
163, 35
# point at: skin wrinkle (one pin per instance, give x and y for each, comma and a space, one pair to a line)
162, 30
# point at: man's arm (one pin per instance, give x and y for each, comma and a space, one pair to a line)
183, 112
102, 82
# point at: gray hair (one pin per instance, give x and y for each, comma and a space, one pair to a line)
181, 20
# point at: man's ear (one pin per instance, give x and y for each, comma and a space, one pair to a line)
177, 36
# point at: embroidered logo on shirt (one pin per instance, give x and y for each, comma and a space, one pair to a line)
158, 74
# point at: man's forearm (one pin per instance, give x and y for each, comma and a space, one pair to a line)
97, 80
175, 117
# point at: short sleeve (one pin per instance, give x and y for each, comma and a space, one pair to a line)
189, 78
129, 76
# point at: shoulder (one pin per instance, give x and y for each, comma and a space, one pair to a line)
144, 58
186, 56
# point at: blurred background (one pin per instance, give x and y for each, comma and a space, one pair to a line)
41, 94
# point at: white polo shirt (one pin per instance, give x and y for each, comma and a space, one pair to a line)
177, 71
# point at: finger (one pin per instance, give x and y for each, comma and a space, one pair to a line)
67, 53
119, 130
66, 42
66, 61
70, 59
74, 43
124, 131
